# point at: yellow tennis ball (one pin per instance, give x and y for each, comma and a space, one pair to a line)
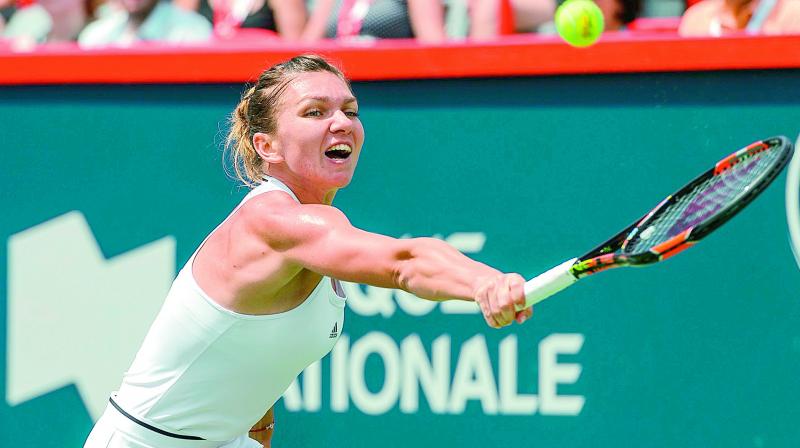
579, 22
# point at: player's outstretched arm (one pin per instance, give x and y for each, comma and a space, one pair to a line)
320, 238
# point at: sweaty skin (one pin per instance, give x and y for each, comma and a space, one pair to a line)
273, 251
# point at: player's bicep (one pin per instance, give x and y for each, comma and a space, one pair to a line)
350, 254
321, 239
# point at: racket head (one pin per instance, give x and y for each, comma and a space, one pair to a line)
697, 209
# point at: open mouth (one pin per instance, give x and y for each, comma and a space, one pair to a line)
339, 152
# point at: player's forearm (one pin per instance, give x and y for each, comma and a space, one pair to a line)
434, 270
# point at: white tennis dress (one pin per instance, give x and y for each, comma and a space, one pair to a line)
204, 374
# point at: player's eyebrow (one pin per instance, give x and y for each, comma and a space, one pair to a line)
327, 99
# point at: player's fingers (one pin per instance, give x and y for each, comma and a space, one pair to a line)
485, 305
505, 301
518, 293
524, 315
491, 313
493, 305
517, 290
489, 316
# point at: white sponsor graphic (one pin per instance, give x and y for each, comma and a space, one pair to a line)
75, 316
407, 370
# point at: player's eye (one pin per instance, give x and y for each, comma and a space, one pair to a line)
351, 113
313, 113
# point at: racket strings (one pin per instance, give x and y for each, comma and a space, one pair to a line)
701, 202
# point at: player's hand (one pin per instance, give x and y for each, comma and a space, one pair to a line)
499, 297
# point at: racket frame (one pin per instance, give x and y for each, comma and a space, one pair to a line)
608, 256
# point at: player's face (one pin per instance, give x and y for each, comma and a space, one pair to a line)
319, 135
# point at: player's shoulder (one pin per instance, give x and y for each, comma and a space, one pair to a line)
269, 205
277, 212
271, 198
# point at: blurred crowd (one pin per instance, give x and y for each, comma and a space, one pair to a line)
95, 23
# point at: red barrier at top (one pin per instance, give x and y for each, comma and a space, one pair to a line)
518, 55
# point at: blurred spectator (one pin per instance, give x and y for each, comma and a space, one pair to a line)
720, 17
486, 19
426, 20
145, 20
375, 19
617, 14
28, 24
46, 21
284, 17
6, 10
530, 14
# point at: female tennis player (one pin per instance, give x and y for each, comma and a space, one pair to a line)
260, 299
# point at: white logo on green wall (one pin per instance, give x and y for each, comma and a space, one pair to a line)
408, 369
75, 316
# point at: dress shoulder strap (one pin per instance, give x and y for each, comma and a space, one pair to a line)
268, 184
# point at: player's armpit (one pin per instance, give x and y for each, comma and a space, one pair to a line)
262, 431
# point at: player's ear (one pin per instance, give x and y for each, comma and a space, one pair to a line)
265, 146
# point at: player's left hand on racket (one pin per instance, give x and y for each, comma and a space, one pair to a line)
499, 298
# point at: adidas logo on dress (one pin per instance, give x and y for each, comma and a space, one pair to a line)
335, 331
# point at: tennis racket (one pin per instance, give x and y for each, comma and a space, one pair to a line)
679, 221
793, 203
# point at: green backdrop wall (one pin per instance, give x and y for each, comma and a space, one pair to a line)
521, 173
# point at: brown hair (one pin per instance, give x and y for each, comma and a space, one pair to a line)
257, 112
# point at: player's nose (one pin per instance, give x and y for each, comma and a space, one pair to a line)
341, 122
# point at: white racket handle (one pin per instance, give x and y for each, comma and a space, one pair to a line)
549, 283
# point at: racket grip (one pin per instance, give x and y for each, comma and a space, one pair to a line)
549, 283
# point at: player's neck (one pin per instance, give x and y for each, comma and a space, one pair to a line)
305, 193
